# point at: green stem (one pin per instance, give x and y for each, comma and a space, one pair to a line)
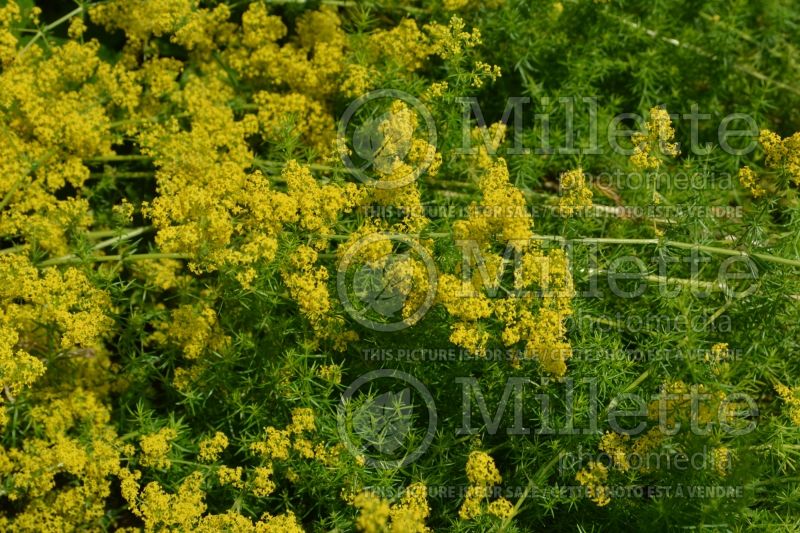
352, 3
123, 237
692, 283
12, 249
118, 158
72, 258
75, 12
630, 388
278, 164
111, 258
676, 244
122, 175
542, 473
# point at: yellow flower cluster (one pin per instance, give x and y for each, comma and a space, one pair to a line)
594, 478
782, 153
186, 509
718, 357
208, 206
156, 447
259, 482
675, 400
60, 480
721, 459
748, 180
376, 515
307, 284
233, 522
295, 112
620, 448
405, 45
312, 63
281, 443
204, 29
469, 307
230, 476
373, 513
330, 373
9, 14
187, 130
67, 302
481, 469
53, 118
656, 139
211, 448
455, 5
452, 40
142, 19
410, 278
230, 217
398, 161
193, 329
483, 475
318, 207
575, 195
162, 274
502, 214
408, 47
615, 445
535, 313
791, 398
358, 79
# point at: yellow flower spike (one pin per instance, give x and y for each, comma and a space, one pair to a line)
575, 195
721, 459
482, 475
656, 139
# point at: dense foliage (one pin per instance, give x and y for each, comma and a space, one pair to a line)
571, 230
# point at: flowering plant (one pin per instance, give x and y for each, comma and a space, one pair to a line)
399, 266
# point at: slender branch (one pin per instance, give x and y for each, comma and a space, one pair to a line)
656, 242
41, 33
663, 280
122, 175
312, 166
123, 237
118, 158
72, 258
676, 244
537, 478
111, 258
